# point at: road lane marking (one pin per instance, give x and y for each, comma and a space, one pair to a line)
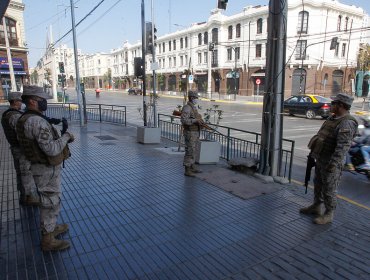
338, 195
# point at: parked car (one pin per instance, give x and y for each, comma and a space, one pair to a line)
308, 105
134, 91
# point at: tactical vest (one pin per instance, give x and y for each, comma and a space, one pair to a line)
194, 115
10, 132
31, 148
323, 144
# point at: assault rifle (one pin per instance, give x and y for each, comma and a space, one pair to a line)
310, 163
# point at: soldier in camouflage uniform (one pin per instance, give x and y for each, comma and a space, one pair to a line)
192, 122
46, 150
25, 182
329, 148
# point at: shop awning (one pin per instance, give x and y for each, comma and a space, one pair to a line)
3, 6
7, 72
18, 66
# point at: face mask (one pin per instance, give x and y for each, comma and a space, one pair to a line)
194, 101
43, 105
23, 107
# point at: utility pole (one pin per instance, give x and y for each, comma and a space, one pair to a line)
154, 97
53, 67
10, 61
272, 118
83, 115
143, 50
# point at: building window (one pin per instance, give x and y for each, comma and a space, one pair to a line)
258, 50
237, 30
181, 60
199, 39
169, 46
174, 62
346, 24
199, 58
181, 43
215, 35
174, 45
163, 47
302, 22
300, 52
215, 58
159, 48
230, 32
169, 62
186, 42
339, 26
205, 55
12, 32
259, 26
237, 53
186, 59
344, 50
205, 39
229, 54
336, 52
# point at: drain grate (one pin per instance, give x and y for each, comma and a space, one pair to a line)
105, 137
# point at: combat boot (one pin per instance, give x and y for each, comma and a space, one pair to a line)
50, 243
32, 201
59, 229
324, 219
313, 209
189, 172
194, 169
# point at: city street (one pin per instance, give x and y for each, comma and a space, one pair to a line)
354, 187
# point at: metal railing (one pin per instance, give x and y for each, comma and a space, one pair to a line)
234, 142
95, 112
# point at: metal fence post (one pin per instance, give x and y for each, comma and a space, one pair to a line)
228, 145
100, 112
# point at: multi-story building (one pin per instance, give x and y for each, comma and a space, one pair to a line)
18, 48
323, 39
95, 70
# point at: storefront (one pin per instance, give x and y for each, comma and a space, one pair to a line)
19, 73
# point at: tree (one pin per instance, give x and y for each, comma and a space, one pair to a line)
363, 59
107, 78
34, 77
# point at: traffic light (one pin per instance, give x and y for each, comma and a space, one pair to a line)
150, 38
222, 4
211, 46
138, 67
61, 67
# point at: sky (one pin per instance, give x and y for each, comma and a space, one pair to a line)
115, 21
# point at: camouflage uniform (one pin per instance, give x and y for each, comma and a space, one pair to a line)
46, 175
189, 115
336, 135
25, 182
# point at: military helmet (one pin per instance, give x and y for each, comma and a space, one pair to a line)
193, 94
34, 91
15, 96
344, 98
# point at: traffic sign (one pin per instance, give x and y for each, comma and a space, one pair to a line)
191, 79
258, 81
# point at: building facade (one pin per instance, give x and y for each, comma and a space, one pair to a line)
14, 23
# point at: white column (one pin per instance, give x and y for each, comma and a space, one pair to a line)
10, 61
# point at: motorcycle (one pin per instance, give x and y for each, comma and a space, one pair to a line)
357, 158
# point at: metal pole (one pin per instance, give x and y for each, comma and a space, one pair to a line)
234, 74
154, 100
143, 49
83, 119
53, 67
10, 61
272, 121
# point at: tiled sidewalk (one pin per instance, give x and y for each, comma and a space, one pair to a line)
133, 215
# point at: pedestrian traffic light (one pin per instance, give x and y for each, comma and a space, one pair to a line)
138, 67
222, 4
61, 67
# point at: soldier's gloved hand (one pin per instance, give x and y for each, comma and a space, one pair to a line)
55, 121
64, 126
71, 137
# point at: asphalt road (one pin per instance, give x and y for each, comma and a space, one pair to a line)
354, 187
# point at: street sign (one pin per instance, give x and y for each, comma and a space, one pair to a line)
258, 81
191, 79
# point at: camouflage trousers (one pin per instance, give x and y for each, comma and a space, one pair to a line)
191, 138
25, 182
48, 180
326, 184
